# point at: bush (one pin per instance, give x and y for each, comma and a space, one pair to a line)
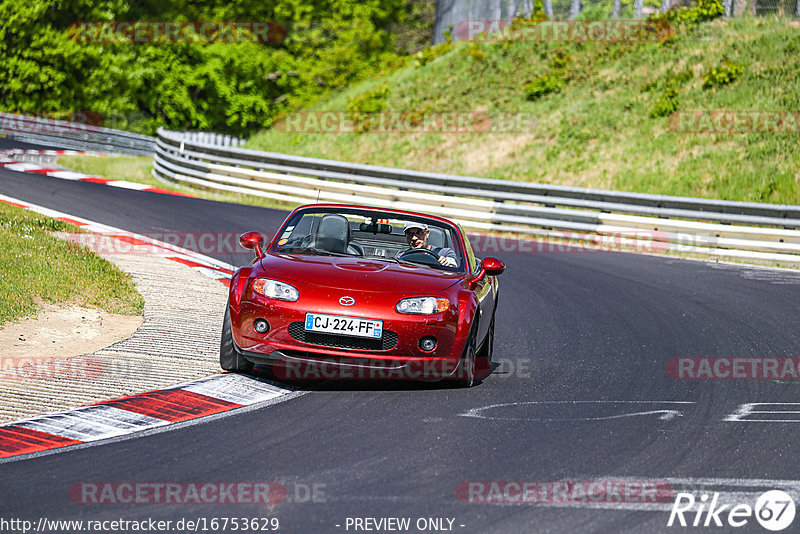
703, 10
723, 74
666, 104
553, 81
427, 55
362, 107
672, 79
474, 52
544, 85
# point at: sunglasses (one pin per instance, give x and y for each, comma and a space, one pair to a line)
415, 231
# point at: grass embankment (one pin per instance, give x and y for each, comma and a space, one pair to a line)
36, 266
131, 168
596, 107
138, 169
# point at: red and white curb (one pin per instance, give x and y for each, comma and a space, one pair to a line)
206, 265
8, 161
143, 411
30, 152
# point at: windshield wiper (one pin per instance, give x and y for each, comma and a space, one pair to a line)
314, 250
396, 260
405, 262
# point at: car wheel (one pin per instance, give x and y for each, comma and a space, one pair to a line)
487, 350
467, 366
230, 359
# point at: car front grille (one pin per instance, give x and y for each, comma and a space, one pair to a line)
298, 332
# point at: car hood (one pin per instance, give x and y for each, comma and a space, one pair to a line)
357, 274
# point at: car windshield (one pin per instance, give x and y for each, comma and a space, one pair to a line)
372, 234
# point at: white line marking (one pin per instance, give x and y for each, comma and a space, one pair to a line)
666, 415
211, 273
128, 185
68, 175
743, 410
22, 167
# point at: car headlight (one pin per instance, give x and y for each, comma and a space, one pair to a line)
423, 305
275, 290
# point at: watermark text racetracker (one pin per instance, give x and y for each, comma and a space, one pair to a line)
85, 367
378, 369
555, 241
189, 493
577, 31
66, 121
153, 243
406, 122
51, 122
733, 368
564, 491
727, 121
173, 31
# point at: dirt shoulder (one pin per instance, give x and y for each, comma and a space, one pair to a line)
60, 331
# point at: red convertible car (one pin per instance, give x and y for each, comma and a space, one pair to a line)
362, 293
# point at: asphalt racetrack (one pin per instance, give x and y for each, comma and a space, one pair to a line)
581, 394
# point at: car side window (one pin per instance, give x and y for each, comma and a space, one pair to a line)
471, 259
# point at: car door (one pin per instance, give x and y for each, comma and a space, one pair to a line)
485, 291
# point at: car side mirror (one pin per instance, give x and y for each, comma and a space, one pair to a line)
492, 266
489, 267
252, 240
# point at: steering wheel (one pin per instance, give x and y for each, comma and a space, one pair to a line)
420, 253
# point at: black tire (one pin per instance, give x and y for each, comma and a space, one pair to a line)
467, 367
230, 359
487, 349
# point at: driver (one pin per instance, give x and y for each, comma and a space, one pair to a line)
417, 237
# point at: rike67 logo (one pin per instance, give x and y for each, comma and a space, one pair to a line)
774, 510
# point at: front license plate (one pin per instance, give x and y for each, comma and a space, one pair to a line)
349, 326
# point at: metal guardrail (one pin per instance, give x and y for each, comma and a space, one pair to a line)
74, 135
754, 231
81, 136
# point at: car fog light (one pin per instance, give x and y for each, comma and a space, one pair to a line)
427, 343
261, 326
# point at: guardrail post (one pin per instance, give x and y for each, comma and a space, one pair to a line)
574, 9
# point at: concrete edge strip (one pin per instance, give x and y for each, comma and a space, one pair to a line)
7, 161
201, 263
116, 418
143, 411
